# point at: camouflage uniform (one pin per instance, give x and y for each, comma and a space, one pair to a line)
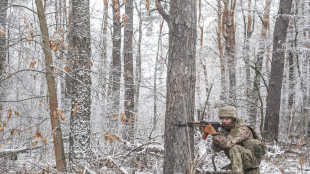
234, 144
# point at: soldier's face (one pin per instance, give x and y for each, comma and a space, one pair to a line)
227, 120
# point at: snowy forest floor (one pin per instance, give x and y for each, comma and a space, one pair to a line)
280, 159
147, 158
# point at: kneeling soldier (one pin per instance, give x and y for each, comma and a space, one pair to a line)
240, 143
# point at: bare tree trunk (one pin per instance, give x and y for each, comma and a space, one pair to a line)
220, 32
230, 48
159, 45
68, 78
306, 67
181, 78
56, 128
275, 82
258, 63
116, 63
3, 46
3, 21
249, 28
79, 140
291, 58
129, 102
138, 62
104, 48
103, 70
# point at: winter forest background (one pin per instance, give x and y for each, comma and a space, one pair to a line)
96, 85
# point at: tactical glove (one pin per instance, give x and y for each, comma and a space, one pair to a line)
208, 129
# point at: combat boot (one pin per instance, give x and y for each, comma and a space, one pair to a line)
252, 171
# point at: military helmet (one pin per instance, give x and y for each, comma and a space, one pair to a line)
228, 112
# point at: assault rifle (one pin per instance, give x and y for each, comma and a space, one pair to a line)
215, 125
204, 124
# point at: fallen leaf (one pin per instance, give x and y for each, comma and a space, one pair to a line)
34, 143
302, 161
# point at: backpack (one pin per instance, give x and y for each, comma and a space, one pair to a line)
256, 145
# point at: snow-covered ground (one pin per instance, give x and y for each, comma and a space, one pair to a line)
147, 158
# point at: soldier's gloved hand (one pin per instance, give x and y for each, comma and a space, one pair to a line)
208, 129
217, 139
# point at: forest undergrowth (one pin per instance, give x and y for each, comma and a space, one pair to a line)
147, 158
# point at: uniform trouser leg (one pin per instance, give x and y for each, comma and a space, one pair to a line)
242, 159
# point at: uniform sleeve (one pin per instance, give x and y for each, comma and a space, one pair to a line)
242, 133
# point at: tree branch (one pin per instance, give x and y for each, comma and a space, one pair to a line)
21, 100
162, 11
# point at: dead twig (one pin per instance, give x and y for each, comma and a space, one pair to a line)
213, 163
111, 160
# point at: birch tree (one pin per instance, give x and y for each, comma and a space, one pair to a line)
79, 145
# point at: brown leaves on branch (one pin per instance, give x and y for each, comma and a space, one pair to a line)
76, 108
59, 41
106, 2
12, 132
38, 134
132, 118
2, 32
34, 143
53, 45
114, 115
128, 103
16, 112
302, 161
53, 133
111, 137
1, 128
10, 114
28, 24
67, 68
123, 118
125, 19
147, 4
32, 64
116, 7
62, 117
61, 31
